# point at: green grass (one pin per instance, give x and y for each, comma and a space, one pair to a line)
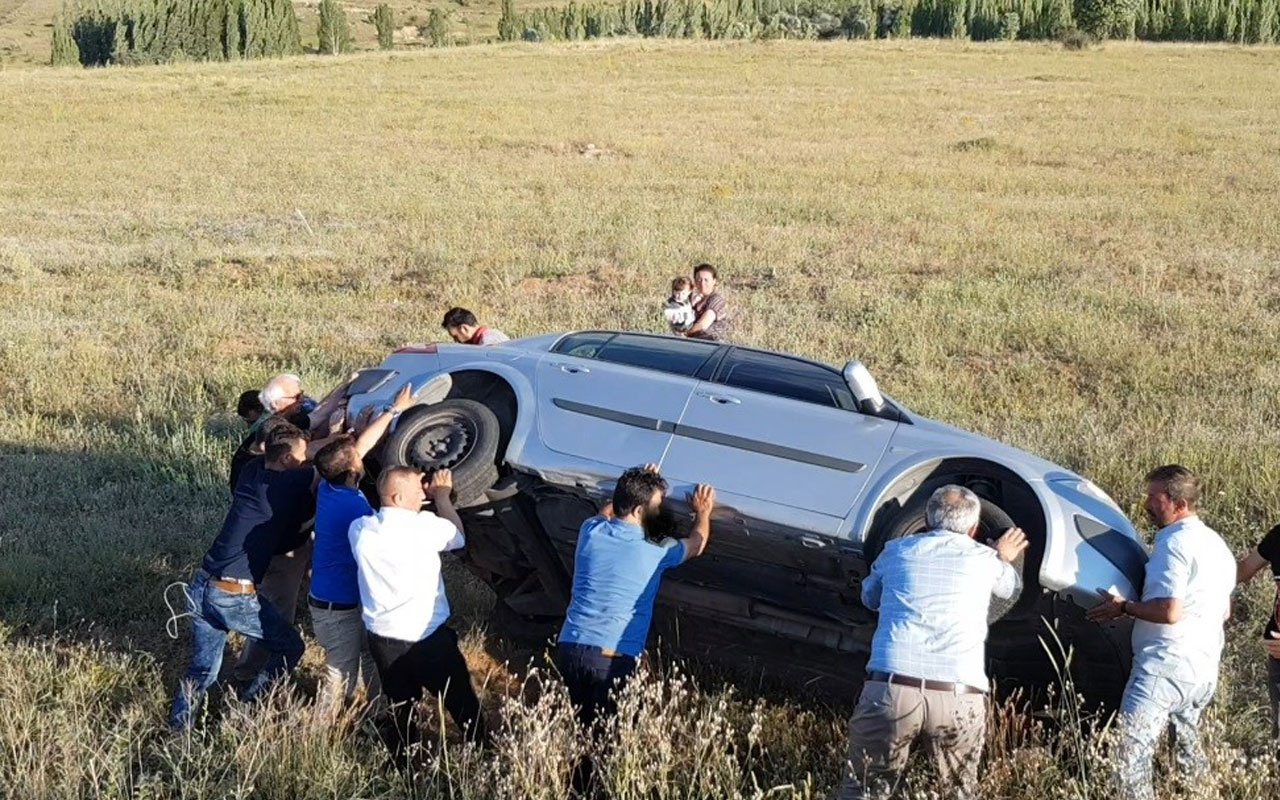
1074, 252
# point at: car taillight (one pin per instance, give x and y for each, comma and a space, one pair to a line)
415, 348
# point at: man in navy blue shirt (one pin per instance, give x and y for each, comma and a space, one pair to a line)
335, 590
616, 571
274, 498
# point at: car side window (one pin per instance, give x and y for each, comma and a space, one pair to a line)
662, 353
786, 377
583, 345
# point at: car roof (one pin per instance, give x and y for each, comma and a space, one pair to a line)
698, 343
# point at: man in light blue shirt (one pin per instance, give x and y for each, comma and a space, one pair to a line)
1177, 633
616, 572
926, 676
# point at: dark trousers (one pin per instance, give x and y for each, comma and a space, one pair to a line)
434, 664
592, 678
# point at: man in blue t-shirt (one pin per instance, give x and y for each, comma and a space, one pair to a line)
335, 591
272, 501
616, 571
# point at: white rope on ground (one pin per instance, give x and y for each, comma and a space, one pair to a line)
171, 627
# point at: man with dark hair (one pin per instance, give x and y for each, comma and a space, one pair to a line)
616, 571
271, 502
335, 590
711, 311
403, 603
464, 328
1177, 633
249, 407
1267, 553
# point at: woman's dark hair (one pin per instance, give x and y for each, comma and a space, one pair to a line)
457, 317
706, 268
634, 489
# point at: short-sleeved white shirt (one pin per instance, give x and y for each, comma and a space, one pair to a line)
397, 555
1190, 563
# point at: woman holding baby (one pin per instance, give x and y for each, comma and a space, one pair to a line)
699, 311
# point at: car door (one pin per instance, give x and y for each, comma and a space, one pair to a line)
788, 454
613, 399
779, 430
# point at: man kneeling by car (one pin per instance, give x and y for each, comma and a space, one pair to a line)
616, 570
926, 676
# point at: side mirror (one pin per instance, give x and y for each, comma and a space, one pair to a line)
863, 386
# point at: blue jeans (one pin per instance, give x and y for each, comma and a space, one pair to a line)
1152, 703
215, 613
592, 678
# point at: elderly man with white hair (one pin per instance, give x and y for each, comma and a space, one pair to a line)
926, 678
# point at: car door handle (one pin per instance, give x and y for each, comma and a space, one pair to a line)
573, 370
722, 399
812, 542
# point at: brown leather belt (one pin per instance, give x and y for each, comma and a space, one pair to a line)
923, 683
233, 586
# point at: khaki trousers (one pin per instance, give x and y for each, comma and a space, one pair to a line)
279, 587
890, 718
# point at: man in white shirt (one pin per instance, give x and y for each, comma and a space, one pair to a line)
926, 678
1177, 633
403, 602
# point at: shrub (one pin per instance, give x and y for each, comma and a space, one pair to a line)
384, 20
437, 30
1076, 39
1009, 26
335, 36
65, 52
510, 28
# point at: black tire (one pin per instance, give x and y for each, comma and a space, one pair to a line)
459, 435
992, 521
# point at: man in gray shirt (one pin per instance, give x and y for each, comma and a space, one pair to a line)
1177, 633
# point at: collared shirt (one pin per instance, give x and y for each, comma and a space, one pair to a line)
487, 335
333, 567
397, 555
616, 572
933, 591
269, 513
1190, 563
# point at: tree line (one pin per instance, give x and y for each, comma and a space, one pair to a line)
101, 32
161, 31
1241, 21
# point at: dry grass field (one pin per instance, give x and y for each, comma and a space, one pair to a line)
1075, 252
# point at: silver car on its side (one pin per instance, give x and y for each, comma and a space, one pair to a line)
814, 469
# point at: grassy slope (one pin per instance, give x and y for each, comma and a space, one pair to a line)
1075, 252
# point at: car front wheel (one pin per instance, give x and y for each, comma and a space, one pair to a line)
458, 435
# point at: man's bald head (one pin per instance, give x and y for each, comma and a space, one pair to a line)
401, 487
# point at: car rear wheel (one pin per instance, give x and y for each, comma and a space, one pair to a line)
458, 435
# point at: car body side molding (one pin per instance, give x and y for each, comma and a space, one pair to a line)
713, 437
